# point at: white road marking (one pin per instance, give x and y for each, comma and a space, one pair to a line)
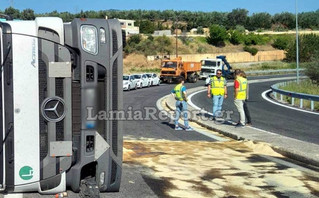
14, 195
264, 95
215, 137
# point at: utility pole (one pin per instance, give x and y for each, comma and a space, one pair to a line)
176, 20
297, 44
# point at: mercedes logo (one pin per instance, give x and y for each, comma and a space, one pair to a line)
53, 109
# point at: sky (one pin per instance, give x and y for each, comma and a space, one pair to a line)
75, 6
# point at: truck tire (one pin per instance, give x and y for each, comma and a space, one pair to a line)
195, 79
191, 78
89, 188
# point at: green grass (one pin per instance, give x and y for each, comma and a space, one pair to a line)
270, 66
201, 39
306, 87
145, 70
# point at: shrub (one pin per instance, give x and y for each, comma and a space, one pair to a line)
217, 36
240, 28
256, 39
200, 30
236, 37
282, 43
253, 51
201, 50
312, 71
308, 48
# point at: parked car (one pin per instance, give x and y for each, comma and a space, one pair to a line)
154, 79
149, 78
129, 82
142, 80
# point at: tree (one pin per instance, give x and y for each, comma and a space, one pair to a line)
163, 45
66, 16
146, 27
312, 71
259, 21
237, 17
15, 13
309, 20
308, 48
200, 30
217, 35
27, 14
286, 19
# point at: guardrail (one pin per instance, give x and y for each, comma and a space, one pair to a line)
273, 71
293, 95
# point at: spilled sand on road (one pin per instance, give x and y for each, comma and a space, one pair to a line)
218, 169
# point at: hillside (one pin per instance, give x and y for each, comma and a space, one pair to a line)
137, 61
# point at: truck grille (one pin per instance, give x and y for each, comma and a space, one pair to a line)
168, 72
114, 106
42, 96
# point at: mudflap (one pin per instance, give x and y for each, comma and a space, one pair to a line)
89, 188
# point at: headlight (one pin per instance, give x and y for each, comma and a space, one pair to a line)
89, 39
102, 35
125, 83
102, 177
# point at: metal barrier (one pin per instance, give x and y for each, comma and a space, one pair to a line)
293, 95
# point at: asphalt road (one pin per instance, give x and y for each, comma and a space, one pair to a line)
157, 129
267, 116
137, 184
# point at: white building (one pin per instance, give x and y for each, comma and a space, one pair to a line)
128, 26
163, 32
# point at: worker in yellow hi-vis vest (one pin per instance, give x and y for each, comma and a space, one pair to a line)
179, 92
217, 89
240, 95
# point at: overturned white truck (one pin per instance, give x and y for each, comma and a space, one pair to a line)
51, 73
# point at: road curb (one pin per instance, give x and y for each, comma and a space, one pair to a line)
301, 151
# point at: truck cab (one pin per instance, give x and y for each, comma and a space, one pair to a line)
210, 67
55, 78
173, 69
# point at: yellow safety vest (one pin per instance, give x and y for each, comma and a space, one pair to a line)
241, 95
217, 86
178, 92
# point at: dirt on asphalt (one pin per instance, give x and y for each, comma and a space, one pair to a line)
218, 169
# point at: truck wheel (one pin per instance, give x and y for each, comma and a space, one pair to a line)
169, 81
195, 79
135, 86
89, 188
128, 88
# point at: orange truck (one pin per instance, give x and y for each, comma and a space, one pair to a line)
173, 69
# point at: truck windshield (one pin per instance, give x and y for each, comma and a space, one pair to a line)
169, 64
209, 63
137, 76
125, 77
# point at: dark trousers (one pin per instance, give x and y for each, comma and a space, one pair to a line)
247, 114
